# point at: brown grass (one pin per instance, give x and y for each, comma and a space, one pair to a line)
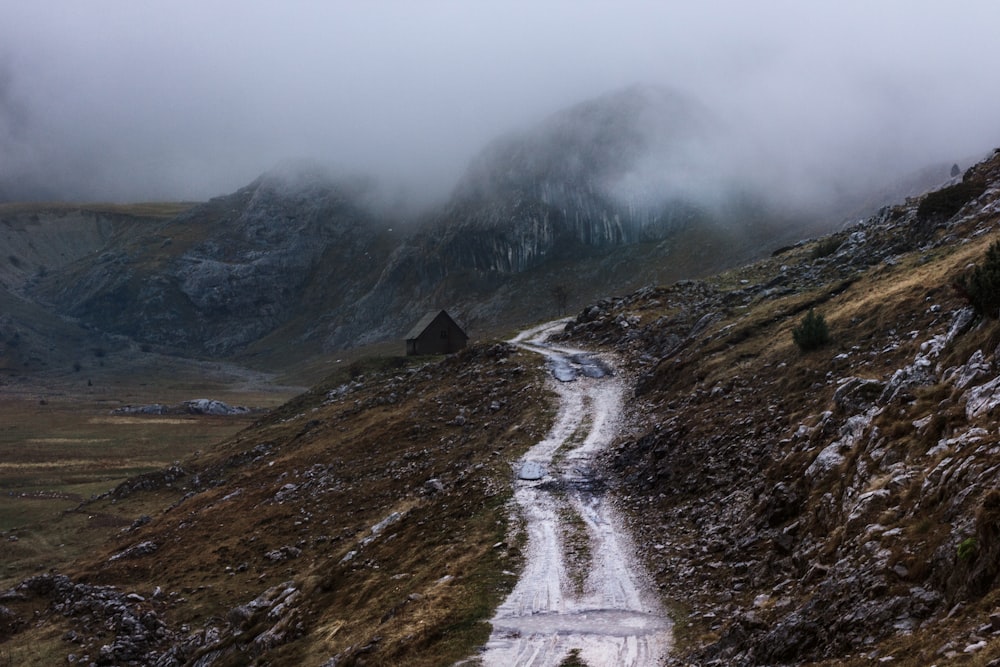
56, 455
425, 587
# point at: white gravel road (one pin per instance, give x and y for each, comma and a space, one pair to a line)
612, 619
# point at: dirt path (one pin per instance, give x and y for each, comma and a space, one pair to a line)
593, 603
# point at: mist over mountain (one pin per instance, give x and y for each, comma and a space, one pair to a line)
641, 184
189, 101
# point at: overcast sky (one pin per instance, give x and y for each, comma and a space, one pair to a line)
186, 99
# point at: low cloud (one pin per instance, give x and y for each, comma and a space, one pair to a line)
186, 100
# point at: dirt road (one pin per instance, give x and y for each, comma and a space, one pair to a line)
593, 605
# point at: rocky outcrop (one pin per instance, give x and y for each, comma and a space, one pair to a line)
110, 627
197, 406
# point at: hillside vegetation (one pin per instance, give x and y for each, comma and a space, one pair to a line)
836, 506
361, 522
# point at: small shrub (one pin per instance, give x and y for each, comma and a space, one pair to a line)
982, 285
812, 333
967, 548
826, 247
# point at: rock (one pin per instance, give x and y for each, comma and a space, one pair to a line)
531, 470
154, 409
983, 399
975, 368
9, 621
286, 492
975, 647
781, 504
856, 394
833, 455
136, 551
208, 406
284, 553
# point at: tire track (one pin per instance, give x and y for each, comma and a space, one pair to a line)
614, 621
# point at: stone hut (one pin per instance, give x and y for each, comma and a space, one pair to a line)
435, 333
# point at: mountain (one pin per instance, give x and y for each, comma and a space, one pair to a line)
45, 240
598, 198
637, 186
830, 507
609, 171
226, 272
629, 179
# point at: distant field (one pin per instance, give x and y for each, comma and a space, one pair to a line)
56, 454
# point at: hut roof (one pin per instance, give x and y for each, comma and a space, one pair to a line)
426, 321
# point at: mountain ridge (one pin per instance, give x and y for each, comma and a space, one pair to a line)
311, 257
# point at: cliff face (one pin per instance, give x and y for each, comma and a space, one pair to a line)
628, 167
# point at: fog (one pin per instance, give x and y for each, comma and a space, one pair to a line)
127, 101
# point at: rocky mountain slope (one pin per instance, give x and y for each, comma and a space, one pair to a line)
41, 241
831, 507
597, 199
227, 272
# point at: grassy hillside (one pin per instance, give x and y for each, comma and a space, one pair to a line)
834, 506
365, 519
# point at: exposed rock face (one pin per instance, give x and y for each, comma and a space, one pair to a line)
618, 169
227, 272
632, 166
834, 506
